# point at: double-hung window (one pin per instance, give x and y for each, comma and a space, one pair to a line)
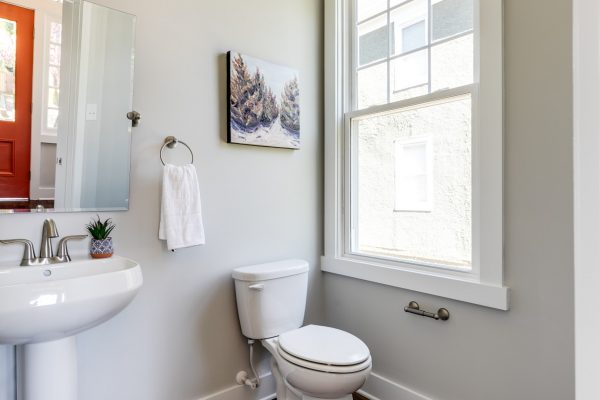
414, 145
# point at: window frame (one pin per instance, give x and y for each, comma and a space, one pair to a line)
483, 284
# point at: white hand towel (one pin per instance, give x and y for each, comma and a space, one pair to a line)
181, 211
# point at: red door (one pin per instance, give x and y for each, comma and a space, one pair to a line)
16, 69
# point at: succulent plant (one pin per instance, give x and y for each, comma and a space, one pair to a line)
99, 229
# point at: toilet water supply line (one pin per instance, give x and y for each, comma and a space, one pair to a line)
242, 376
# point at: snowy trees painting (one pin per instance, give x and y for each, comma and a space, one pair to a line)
290, 108
263, 103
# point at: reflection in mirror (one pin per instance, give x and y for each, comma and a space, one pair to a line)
64, 96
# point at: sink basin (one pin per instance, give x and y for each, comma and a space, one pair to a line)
42, 308
51, 302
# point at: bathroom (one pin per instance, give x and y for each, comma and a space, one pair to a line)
180, 337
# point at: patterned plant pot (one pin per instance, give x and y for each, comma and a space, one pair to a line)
101, 248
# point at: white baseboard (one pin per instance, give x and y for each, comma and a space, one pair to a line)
381, 388
376, 388
266, 391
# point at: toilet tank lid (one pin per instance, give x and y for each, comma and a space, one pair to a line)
272, 270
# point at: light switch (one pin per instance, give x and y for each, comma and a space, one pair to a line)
91, 112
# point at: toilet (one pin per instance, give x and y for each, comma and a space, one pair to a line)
309, 362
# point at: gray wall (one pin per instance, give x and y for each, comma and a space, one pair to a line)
527, 352
180, 337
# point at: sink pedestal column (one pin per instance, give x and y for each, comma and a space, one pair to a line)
48, 370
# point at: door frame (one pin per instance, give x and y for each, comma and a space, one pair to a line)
44, 12
586, 164
22, 108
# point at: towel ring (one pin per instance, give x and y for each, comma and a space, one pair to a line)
171, 142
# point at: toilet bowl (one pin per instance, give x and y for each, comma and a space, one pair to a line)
317, 362
308, 362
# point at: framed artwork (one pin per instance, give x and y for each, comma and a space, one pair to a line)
263, 103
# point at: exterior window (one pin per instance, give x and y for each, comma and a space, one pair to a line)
53, 75
414, 145
8, 55
413, 37
451, 18
413, 175
373, 45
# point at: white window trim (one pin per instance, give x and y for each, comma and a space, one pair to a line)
484, 284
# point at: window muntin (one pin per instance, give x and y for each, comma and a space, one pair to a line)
419, 36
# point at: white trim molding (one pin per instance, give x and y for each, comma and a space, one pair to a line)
586, 159
481, 284
457, 288
266, 391
381, 388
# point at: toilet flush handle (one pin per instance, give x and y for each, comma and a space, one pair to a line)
258, 286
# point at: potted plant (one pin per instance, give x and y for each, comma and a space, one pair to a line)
101, 245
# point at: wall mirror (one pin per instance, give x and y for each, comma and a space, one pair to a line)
66, 86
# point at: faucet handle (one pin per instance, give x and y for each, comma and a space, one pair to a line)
28, 251
63, 251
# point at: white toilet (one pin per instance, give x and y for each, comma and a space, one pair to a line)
310, 362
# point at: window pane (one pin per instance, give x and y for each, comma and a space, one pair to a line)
368, 8
451, 17
54, 54
413, 175
8, 55
53, 97
55, 32
52, 118
452, 63
372, 40
413, 37
54, 77
372, 86
409, 26
409, 75
441, 236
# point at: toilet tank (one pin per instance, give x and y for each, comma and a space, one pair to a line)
271, 298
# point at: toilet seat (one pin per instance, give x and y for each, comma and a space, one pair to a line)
324, 349
334, 369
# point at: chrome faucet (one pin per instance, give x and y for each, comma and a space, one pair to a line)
49, 231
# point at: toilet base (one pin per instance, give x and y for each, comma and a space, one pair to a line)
285, 391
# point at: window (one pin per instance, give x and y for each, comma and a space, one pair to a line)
53, 75
413, 36
8, 52
414, 145
413, 175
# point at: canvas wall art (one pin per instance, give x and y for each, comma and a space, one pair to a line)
263, 103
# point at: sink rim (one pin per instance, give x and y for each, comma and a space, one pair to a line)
50, 309
87, 268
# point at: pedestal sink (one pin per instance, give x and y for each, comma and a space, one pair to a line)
43, 308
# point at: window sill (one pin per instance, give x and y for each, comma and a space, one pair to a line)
456, 288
